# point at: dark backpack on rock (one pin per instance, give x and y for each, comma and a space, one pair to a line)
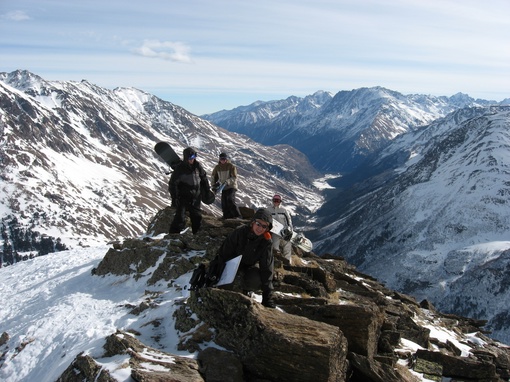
197, 280
207, 277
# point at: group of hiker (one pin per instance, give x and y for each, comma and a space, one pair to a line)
253, 241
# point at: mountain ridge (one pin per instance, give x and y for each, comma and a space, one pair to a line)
78, 160
358, 122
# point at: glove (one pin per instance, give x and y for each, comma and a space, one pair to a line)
268, 299
215, 186
214, 271
287, 233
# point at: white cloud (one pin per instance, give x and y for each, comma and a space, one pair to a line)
166, 50
16, 16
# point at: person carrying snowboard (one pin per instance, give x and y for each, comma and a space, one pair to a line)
185, 185
256, 270
281, 214
226, 173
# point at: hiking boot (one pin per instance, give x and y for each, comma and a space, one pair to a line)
268, 300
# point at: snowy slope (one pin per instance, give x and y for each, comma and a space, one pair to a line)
440, 227
54, 308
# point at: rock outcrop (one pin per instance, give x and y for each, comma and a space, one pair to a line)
332, 323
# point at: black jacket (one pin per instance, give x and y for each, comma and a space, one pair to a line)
253, 248
186, 180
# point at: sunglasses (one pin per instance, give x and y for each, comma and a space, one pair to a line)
192, 156
222, 159
264, 226
277, 200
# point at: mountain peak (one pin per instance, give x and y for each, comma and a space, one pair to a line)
79, 160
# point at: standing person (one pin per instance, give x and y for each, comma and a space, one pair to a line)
281, 214
184, 186
253, 242
226, 172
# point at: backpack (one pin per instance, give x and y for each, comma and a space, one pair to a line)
206, 277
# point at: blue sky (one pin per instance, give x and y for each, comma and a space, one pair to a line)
209, 55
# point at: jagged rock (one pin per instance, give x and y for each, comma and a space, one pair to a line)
160, 223
459, 367
4, 348
120, 343
315, 272
4, 338
361, 324
135, 258
151, 365
500, 357
370, 370
308, 286
191, 341
430, 370
84, 368
388, 341
220, 366
271, 344
412, 331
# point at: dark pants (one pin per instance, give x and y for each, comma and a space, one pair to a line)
228, 204
195, 214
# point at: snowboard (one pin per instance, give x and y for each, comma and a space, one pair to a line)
298, 239
167, 153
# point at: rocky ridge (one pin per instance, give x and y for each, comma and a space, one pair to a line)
337, 132
332, 323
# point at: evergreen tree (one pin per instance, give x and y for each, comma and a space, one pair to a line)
18, 239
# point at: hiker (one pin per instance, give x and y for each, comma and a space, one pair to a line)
281, 214
253, 242
185, 185
226, 172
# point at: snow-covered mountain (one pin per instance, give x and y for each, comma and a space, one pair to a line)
77, 160
433, 220
424, 207
336, 132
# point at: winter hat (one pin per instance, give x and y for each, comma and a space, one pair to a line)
189, 153
263, 214
223, 156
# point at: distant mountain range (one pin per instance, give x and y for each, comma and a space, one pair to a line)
338, 131
420, 198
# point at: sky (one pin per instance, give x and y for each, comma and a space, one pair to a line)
55, 307
216, 55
